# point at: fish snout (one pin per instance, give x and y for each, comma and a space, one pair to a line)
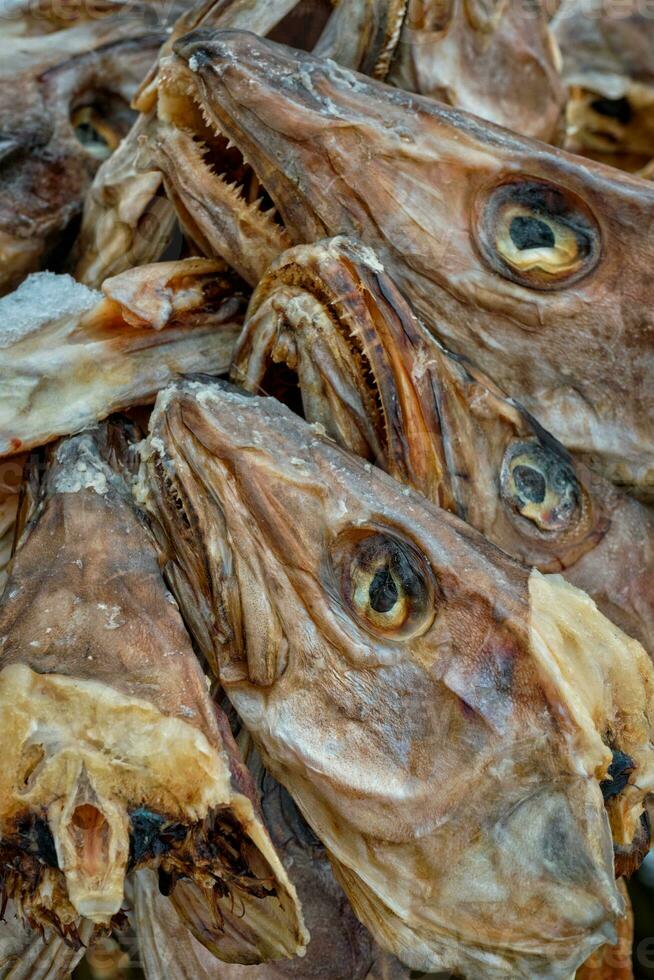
562, 838
203, 48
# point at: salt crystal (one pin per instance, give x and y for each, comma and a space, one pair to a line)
41, 299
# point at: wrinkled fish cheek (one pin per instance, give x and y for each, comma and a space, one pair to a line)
201, 572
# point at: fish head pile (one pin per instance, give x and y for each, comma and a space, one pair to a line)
512, 252
328, 323
114, 756
371, 645
447, 722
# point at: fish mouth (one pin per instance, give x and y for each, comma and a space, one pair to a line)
217, 165
69, 837
328, 320
306, 343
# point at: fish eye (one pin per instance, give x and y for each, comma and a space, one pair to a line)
386, 583
618, 109
99, 125
540, 484
538, 235
91, 131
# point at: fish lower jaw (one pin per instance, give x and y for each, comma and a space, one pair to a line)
221, 163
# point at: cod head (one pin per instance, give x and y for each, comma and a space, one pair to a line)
497, 60
608, 66
114, 757
448, 722
64, 107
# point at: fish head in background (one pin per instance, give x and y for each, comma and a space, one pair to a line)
608, 66
445, 720
114, 756
64, 107
327, 323
512, 252
497, 60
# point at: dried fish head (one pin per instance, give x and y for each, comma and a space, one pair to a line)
442, 717
64, 107
114, 757
340, 947
128, 218
512, 252
497, 60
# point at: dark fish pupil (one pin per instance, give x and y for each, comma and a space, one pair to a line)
613, 108
530, 484
531, 233
383, 591
87, 134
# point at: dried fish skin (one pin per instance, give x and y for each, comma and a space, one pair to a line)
435, 192
115, 757
28, 955
613, 962
340, 947
498, 61
328, 318
379, 712
127, 219
64, 367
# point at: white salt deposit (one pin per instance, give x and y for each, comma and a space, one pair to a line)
41, 299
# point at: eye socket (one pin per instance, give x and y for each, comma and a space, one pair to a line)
538, 235
540, 484
101, 124
93, 133
385, 582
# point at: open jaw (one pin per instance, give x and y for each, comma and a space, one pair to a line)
383, 688
114, 757
220, 202
305, 343
519, 266
329, 333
